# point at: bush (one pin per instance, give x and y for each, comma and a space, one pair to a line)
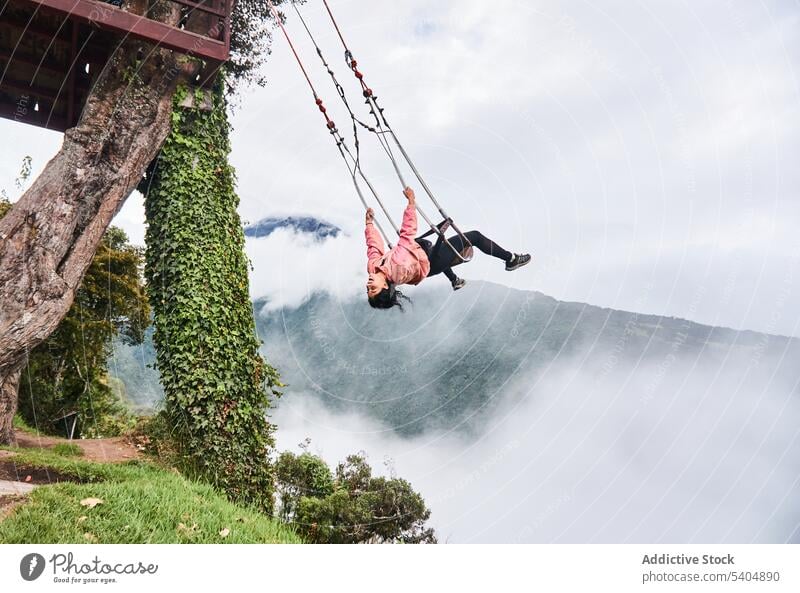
68, 372
349, 507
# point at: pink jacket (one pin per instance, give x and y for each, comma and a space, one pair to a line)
406, 262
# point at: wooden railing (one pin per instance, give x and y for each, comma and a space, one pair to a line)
212, 43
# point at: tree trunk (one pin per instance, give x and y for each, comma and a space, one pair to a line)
8, 405
49, 237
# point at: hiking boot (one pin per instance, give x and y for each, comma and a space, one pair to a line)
459, 283
517, 261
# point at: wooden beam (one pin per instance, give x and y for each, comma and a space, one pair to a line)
73, 54
93, 52
52, 66
202, 7
30, 90
229, 11
35, 87
35, 62
42, 118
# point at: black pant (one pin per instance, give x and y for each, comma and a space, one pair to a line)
442, 257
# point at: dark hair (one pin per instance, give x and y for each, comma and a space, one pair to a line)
387, 298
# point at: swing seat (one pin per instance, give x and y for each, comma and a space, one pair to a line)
466, 252
466, 255
463, 256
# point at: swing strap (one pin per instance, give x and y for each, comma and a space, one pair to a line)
354, 170
383, 128
432, 250
378, 132
441, 228
332, 74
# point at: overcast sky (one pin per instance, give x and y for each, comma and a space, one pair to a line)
644, 153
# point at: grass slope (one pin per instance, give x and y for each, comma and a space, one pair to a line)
142, 503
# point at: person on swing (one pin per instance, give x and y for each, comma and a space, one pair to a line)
412, 260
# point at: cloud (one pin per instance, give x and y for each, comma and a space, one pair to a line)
289, 267
676, 450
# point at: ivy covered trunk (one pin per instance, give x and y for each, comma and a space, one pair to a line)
217, 386
48, 238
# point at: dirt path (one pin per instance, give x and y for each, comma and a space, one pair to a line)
111, 450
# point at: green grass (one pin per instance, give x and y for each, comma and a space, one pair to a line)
142, 503
67, 450
20, 424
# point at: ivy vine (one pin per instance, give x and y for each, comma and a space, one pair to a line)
218, 388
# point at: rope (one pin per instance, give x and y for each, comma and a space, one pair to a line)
345, 152
328, 8
354, 119
332, 74
277, 17
338, 138
382, 123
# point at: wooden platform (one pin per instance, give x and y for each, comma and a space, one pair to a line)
51, 50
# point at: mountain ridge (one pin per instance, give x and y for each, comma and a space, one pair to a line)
450, 355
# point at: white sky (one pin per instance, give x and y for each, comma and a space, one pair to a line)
645, 153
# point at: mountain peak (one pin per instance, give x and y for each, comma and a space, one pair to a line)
307, 225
